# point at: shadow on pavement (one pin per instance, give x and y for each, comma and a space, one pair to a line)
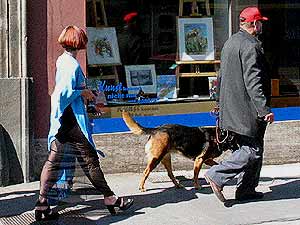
81, 212
16, 203
288, 190
144, 200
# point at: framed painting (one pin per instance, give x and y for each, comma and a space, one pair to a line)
212, 87
195, 39
141, 77
102, 47
166, 86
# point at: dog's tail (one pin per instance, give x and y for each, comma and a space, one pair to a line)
134, 126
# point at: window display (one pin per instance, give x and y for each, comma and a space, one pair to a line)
148, 44
169, 51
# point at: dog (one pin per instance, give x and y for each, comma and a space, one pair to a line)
196, 143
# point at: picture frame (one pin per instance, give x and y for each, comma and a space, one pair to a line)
195, 39
212, 87
102, 47
141, 78
166, 86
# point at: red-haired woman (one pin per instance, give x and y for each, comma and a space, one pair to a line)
69, 123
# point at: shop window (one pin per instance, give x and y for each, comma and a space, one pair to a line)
166, 22
155, 42
281, 39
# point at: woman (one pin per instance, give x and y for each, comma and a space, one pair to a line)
69, 123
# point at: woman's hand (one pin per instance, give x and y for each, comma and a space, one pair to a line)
88, 95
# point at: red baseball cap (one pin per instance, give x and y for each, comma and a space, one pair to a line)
129, 17
251, 14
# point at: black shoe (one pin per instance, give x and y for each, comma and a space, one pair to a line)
44, 209
120, 203
249, 196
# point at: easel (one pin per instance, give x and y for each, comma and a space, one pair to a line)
101, 21
195, 66
194, 8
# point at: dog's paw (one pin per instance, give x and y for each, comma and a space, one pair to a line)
142, 189
197, 186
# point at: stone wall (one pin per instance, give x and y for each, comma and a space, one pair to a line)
15, 105
282, 143
125, 151
15, 84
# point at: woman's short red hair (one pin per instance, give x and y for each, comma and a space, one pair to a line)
73, 37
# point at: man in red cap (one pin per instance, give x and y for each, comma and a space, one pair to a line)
251, 17
132, 51
130, 18
244, 108
130, 41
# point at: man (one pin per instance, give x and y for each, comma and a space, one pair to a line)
130, 41
244, 104
132, 51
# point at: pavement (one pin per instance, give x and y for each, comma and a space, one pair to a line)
163, 204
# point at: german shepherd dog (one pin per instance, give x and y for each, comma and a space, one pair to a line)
197, 143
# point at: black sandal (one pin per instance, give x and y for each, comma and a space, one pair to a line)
48, 212
121, 204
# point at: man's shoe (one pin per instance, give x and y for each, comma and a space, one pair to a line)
216, 189
249, 196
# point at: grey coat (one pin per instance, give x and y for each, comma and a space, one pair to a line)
244, 84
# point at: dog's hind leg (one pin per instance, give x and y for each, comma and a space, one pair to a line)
166, 161
156, 148
152, 163
197, 166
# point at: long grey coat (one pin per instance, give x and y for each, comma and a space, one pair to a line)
244, 84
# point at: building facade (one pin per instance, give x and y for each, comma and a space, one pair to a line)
29, 31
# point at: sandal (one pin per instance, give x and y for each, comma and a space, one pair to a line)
121, 204
44, 208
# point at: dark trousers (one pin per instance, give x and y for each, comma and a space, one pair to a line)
85, 154
246, 161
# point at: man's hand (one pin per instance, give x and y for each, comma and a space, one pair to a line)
88, 95
215, 111
269, 117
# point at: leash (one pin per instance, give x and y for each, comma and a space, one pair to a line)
215, 113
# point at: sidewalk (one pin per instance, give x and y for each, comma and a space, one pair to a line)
162, 204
